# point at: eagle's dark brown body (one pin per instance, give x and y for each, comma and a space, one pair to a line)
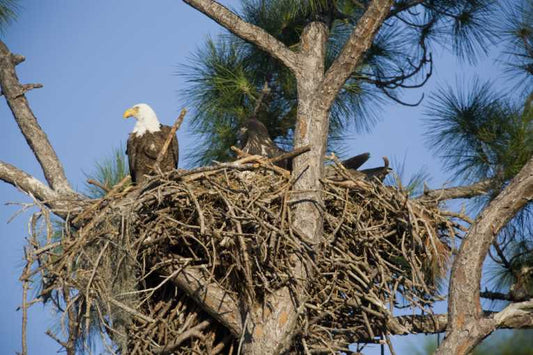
256, 141
143, 152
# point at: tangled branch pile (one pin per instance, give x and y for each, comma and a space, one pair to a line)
113, 270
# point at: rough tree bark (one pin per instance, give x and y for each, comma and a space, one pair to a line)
467, 326
269, 329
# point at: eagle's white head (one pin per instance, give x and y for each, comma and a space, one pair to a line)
146, 119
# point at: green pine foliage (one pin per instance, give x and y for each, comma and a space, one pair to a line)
517, 33
482, 134
8, 12
513, 270
226, 76
109, 172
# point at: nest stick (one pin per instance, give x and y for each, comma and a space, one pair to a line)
291, 154
171, 134
98, 184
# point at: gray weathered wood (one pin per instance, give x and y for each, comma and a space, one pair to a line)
14, 92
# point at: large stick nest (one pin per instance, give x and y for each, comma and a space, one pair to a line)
232, 222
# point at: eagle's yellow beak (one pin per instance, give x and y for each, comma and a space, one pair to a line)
130, 112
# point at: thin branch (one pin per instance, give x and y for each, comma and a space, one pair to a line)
515, 316
14, 91
403, 7
190, 333
25, 287
360, 40
501, 296
98, 184
35, 188
264, 93
246, 31
450, 193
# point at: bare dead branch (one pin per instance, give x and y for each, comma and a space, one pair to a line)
28, 87
26, 182
246, 31
450, 193
291, 154
59, 204
35, 137
360, 40
193, 332
516, 315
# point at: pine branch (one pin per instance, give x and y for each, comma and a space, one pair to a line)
246, 31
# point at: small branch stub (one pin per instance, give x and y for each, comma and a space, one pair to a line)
16, 59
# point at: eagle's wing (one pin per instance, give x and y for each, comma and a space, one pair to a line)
380, 173
356, 161
152, 145
130, 152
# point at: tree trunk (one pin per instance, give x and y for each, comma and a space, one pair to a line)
270, 329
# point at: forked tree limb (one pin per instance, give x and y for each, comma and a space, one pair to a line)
59, 204
467, 326
25, 182
246, 31
358, 43
14, 92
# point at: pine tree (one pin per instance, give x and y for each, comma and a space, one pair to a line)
231, 80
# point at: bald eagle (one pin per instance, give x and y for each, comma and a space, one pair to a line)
256, 141
355, 162
146, 142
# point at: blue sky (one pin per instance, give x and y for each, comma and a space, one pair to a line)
97, 58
